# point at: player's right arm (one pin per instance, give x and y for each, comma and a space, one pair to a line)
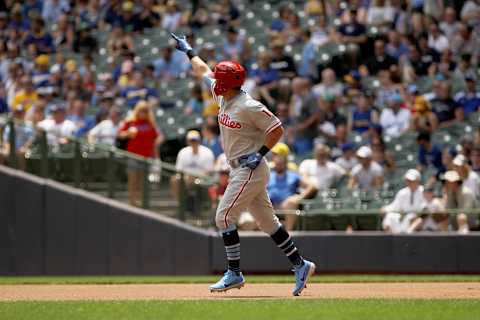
200, 68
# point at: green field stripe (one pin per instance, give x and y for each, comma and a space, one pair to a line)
365, 309
250, 279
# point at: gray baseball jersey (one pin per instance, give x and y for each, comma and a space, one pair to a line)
244, 122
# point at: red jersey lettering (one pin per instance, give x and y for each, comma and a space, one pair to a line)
224, 119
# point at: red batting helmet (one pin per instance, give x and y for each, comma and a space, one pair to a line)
228, 75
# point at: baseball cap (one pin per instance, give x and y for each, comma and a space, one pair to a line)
281, 149
452, 176
71, 65
412, 175
347, 147
127, 6
395, 97
57, 107
470, 77
193, 135
459, 160
42, 60
412, 88
364, 152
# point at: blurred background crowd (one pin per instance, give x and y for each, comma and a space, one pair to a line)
365, 90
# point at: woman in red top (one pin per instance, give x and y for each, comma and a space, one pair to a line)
143, 139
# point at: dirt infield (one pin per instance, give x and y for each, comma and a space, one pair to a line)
250, 291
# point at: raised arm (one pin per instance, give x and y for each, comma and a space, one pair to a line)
200, 68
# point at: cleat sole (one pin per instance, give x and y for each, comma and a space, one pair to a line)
238, 286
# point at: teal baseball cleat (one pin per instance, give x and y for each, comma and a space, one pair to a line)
230, 280
302, 274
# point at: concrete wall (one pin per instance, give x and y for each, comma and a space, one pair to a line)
52, 229
47, 228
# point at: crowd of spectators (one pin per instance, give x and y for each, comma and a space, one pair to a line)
50, 52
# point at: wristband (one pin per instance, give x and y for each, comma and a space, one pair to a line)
190, 54
263, 150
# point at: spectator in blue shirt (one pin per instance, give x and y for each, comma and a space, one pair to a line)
171, 65
16, 21
395, 47
235, 47
287, 189
284, 16
363, 116
24, 136
53, 9
78, 116
211, 138
429, 155
469, 99
307, 66
31, 7
264, 74
195, 104
139, 91
39, 39
283, 183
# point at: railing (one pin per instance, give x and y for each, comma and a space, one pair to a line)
109, 171
104, 169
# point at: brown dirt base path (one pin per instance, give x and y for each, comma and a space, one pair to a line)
434, 290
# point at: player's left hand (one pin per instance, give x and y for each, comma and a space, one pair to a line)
251, 160
182, 43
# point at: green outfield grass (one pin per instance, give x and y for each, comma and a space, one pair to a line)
246, 309
250, 279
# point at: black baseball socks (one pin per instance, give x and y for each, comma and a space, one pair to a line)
231, 241
285, 243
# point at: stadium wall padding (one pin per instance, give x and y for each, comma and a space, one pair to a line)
47, 228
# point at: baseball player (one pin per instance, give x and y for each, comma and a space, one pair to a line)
248, 132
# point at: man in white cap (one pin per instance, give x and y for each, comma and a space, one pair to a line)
406, 205
320, 172
193, 160
470, 178
58, 128
367, 174
457, 196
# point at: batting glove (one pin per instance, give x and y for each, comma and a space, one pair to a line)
251, 160
182, 43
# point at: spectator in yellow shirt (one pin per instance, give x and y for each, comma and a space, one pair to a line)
26, 97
